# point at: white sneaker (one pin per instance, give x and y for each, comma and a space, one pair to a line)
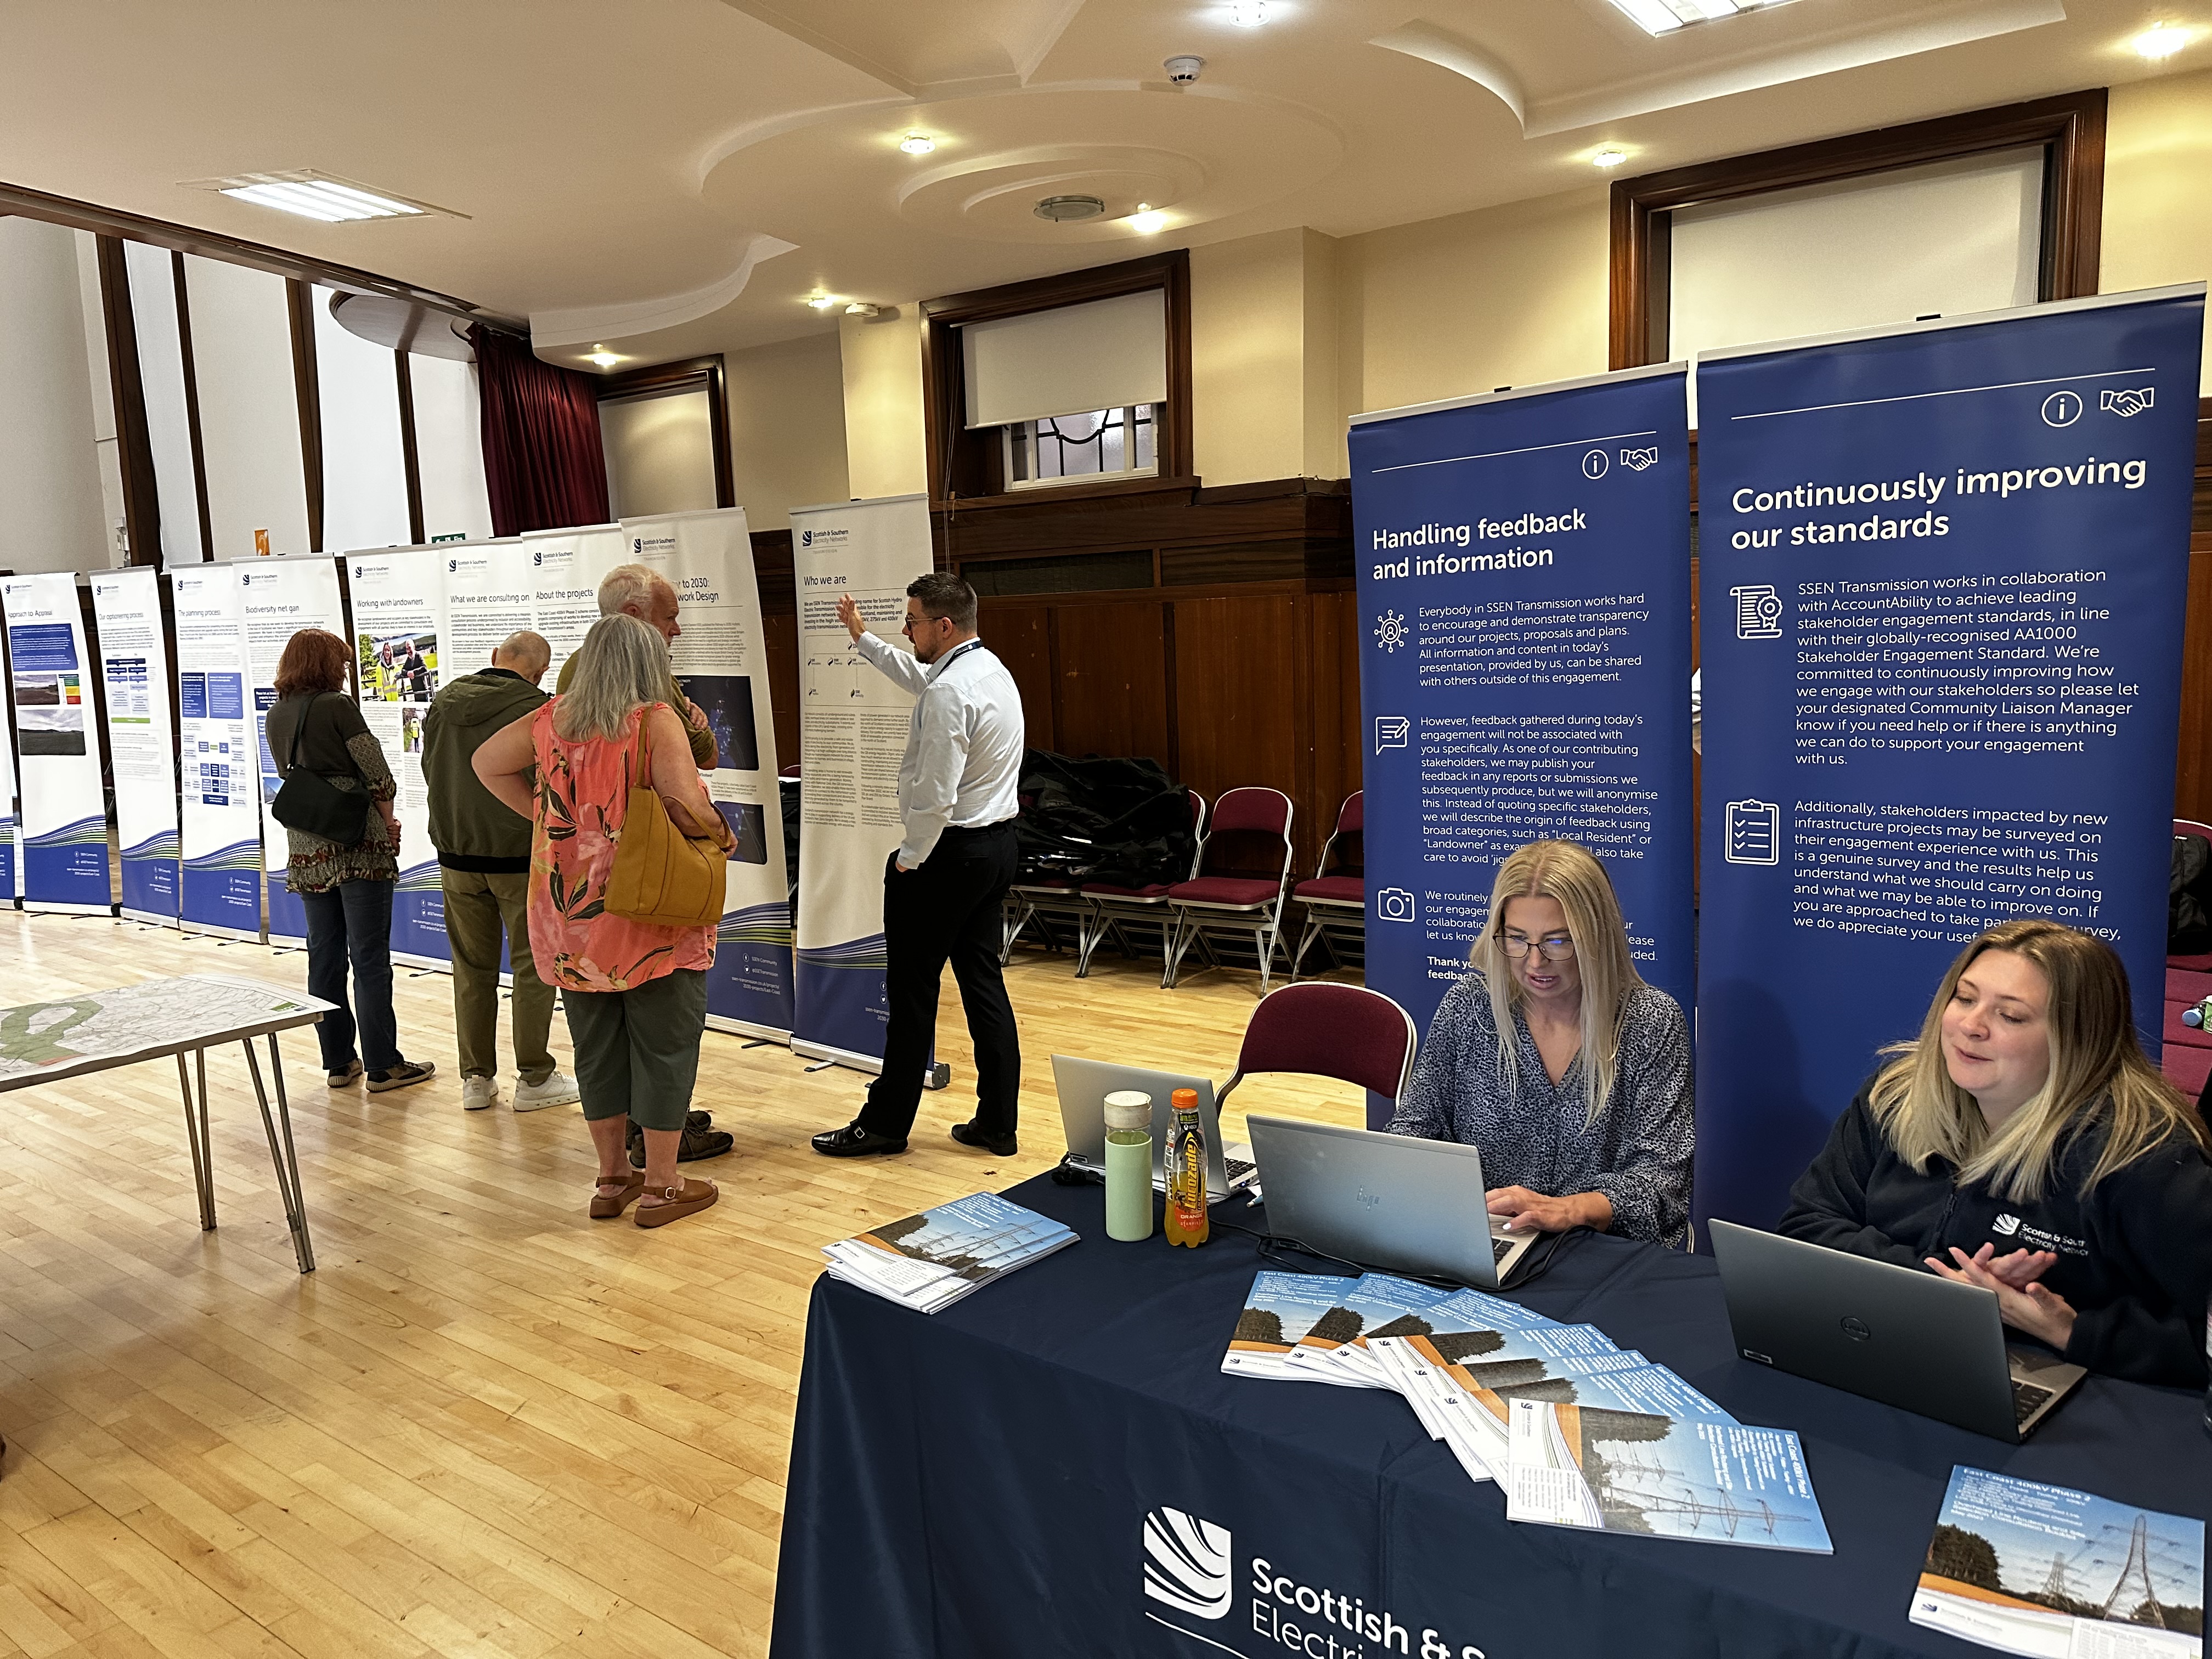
556, 1090
478, 1092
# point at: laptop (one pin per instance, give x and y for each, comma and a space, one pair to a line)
1084, 1085
1387, 1201
1900, 1335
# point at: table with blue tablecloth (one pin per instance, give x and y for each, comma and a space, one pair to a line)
979, 1482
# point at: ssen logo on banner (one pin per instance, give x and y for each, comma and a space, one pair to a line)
1190, 1566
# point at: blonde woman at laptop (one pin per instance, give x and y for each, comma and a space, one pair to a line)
2024, 1143
1554, 1058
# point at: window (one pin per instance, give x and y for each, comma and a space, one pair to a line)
1106, 443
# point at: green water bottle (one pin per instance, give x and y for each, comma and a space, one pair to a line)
1129, 1165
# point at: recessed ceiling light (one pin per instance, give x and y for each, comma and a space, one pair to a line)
1665, 16
319, 196
1248, 13
1061, 209
1147, 220
603, 357
917, 143
1610, 156
2161, 41
822, 301
862, 309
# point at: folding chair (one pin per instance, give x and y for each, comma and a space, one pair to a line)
1248, 827
1114, 909
1040, 902
1336, 905
1344, 1031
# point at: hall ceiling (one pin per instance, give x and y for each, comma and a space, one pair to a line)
664, 176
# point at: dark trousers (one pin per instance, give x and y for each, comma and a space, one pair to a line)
948, 910
351, 923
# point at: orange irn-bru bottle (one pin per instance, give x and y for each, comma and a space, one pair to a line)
1185, 1163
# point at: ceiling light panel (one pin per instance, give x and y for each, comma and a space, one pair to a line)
1665, 16
320, 196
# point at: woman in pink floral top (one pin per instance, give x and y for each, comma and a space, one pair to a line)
635, 995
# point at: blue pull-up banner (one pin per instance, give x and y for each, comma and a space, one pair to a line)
1524, 593
1943, 572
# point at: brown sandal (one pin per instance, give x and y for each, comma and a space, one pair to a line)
607, 1206
684, 1198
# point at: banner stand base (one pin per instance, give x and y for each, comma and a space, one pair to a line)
730, 1027
807, 1048
208, 929
55, 908
152, 918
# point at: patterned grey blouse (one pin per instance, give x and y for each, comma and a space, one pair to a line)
1532, 1131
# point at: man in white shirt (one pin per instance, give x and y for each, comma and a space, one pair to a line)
944, 886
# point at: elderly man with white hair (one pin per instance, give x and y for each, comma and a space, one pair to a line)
640, 590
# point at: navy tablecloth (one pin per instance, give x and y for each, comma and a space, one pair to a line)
978, 1482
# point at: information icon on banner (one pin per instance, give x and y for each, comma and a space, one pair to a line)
1758, 612
1755, 832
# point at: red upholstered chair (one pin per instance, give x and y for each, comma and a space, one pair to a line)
1250, 829
1336, 904
1343, 1031
1115, 909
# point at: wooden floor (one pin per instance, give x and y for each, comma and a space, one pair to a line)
487, 1426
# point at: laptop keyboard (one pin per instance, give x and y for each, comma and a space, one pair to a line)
2026, 1398
1499, 1248
1237, 1168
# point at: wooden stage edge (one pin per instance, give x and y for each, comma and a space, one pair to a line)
487, 1426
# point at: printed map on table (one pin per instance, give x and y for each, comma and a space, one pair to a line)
94, 1029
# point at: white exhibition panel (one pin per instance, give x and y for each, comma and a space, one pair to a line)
660, 453
1948, 240
566, 567
449, 448
1102, 354
277, 597
249, 408
161, 379
364, 457
134, 662
63, 838
49, 461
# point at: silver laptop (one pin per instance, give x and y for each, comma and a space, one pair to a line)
1084, 1085
1900, 1335
1387, 1201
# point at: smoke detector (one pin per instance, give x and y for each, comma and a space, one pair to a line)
1061, 209
1183, 69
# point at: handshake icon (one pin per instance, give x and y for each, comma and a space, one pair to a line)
2125, 403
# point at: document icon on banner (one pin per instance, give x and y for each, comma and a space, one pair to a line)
1755, 832
1758, 612
1391, 732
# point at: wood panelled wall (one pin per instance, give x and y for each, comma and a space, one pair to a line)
1239, 663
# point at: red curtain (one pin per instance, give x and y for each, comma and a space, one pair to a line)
544, 466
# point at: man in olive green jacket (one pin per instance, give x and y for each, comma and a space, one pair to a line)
483, 867
640, 590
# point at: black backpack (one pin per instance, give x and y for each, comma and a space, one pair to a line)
2188, 897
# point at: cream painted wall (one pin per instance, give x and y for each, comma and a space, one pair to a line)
2158, 209
48, 456
1263, 358
788, 444
886, 445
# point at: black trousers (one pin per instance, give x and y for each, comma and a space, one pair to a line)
949, 909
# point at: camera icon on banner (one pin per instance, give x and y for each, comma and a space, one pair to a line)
1392, 732
1753, 830
1393, 904
1758, 612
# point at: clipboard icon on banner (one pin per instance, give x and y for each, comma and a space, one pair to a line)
1392, 732
1753, 829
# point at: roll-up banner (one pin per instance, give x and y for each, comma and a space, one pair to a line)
134, 662
1944, 569
218, 769
279, 597
565, 568
9, 891
721, 659
397, 654
64, 827
1524, 571
853, 730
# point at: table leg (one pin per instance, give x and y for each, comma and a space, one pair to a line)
282, 1154
196, 1135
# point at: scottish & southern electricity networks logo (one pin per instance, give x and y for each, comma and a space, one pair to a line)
1188, 1564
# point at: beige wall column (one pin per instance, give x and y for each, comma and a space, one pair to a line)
886, 444
2158, 212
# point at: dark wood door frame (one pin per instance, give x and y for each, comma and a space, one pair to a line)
2070, 130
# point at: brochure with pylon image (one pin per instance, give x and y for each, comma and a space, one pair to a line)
930, 1261
1335, 1349
1660, 1475
1281, 1309
2045, 1570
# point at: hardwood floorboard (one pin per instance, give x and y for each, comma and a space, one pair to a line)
488, 1427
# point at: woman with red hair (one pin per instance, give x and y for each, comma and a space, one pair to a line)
346, 887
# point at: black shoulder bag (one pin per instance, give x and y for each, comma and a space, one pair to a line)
312, 805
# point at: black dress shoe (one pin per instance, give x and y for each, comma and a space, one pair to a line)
699, 1141
853, 1141
969, 1135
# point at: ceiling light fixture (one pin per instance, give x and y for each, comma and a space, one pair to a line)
1665, 16
822, 301
917, 143
2160, 40
1147, 220
1248, 13
864, 311
1062, 209
318, 196
1610, 156
602, 356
